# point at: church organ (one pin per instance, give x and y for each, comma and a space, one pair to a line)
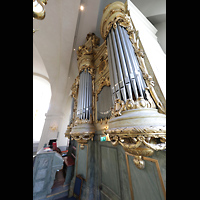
114, 93
118, 64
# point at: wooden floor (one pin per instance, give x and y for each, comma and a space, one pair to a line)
62, 198
58, 186
59, 179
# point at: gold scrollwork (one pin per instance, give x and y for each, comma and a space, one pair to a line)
83, 121
139, 163
118, 108
102, 66
131, 104
104, 81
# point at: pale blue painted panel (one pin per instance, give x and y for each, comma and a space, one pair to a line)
82, 162
145, 182
110, 169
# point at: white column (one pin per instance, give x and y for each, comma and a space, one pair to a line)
49, 130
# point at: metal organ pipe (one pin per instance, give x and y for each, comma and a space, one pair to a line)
80, 100
123, 64
111, 73
143, 84
133, 62
118, 65
84, 104
128, 63
116, 82
125, 74
81, 97
72, 110
90, 96
84, 95
87, 96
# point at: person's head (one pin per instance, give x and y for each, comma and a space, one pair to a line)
59, 151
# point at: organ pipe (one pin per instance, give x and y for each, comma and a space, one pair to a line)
116, 82
72, 110
84, 104
123, 63
118, 65
133, 62
128, 64
125, 75
111, 74
132, 52
90, 96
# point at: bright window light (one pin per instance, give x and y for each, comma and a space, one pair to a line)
41, 100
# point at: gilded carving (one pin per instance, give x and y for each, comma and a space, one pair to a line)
104, 81
131, 104
102, 66
118, 108
139, 163
83, 121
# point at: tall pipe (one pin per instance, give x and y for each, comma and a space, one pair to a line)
81, 99
84, 95
84, 102
133, 58
128, 62
72, 110
116, 82
143, 84
111, 72
118, 64
123, 64
87, 96
90, 96
79, 96
133, 62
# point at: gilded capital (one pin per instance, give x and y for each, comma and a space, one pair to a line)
112, 13
85, 54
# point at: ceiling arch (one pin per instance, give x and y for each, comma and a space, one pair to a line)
38, 64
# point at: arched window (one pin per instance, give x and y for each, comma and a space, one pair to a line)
41, 100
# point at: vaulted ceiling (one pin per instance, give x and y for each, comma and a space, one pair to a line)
64, 29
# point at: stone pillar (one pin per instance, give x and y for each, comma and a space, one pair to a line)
51, 128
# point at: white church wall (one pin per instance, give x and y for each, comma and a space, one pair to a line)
161, 34
154, 52
41, 100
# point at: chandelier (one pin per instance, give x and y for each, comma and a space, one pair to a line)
38, 10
